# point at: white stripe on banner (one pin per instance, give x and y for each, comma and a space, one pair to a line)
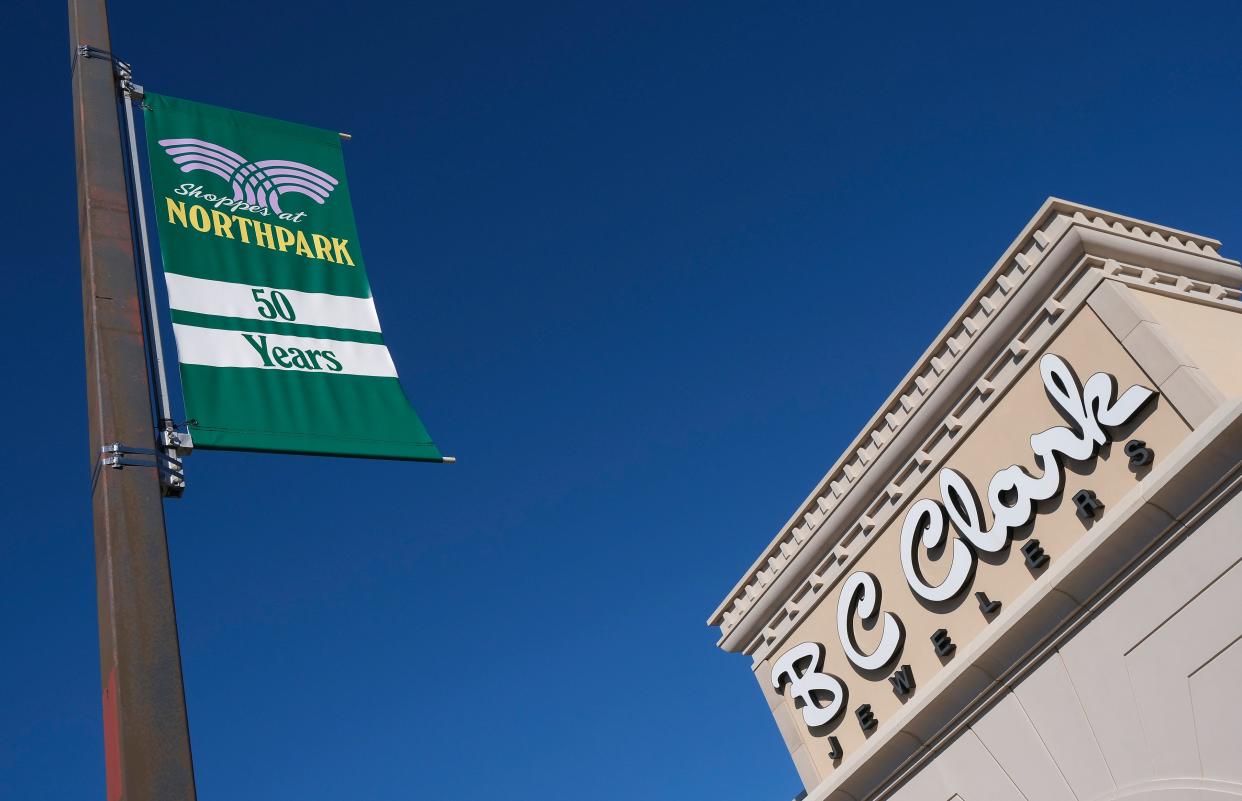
217, 347
251, 302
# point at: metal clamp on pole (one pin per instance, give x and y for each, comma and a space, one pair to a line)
90, 51
125, 73
118, 456
179, 442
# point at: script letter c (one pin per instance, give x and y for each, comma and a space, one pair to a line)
926, 517
861, 591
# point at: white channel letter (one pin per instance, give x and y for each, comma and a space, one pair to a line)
962, 506
927, 517
804, 685
1013, 492
1089, 409
861, 591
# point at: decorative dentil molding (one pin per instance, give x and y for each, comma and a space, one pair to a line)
769, 599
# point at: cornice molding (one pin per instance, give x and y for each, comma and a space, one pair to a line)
868, 479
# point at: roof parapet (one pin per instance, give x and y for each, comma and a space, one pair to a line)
1050, 245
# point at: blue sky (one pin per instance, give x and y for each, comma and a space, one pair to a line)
626, 257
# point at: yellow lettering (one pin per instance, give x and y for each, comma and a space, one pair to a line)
303, 247
242, 222
223, 225
200, 221
176, 212
284, 238
256, 232
323, 248
263, 231
342, 255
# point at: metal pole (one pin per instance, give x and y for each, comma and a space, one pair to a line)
146, 735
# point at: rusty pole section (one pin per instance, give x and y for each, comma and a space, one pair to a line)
146, 734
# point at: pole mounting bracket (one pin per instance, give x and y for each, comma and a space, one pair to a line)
90, 51
179, 441
118, 456
125, 74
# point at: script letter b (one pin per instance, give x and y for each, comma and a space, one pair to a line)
809, 685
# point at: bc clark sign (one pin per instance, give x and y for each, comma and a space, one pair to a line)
277, 335
954, 527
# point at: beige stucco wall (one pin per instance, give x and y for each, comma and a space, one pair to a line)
1210, 335
1142, 703
1002, 438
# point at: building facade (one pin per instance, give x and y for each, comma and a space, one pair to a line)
1022, 580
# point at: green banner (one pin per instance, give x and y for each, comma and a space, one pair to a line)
277, 335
